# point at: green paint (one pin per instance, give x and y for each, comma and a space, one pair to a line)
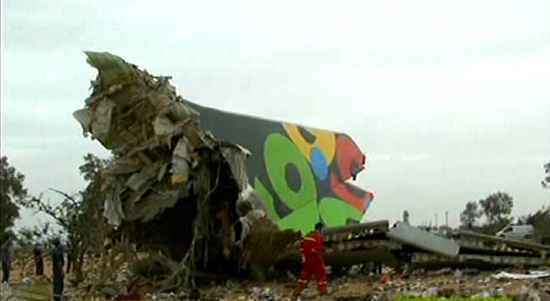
266, 198
335, 212
303, 219
278, 152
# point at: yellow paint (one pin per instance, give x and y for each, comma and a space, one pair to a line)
324, 140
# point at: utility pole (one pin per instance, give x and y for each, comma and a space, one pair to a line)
436, 220
447, 219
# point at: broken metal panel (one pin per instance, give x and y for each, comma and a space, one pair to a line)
301, 174
181, 162
250, 196
101, 123
166, 123
423, 240
516, 276
237, 156
140, 179
362, 231
85, 118
154, 204
125, 103
517, 244
378, 254
113, 209
478, 260
124, 166
381, 226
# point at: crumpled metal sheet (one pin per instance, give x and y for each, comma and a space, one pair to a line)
113, 204
250, 196
113, 209
246, 223
138, 179
531, 275
155, 203
124, 166
85, 117
181, 162
167, 121
101, 124
236, 156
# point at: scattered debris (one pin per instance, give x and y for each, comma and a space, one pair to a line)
531, 275
27, 290
444, 271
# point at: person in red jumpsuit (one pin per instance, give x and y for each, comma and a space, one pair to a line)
312, 257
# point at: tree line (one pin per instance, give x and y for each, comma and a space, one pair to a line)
74, 216
497, 209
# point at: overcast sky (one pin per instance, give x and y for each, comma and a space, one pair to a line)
449, 99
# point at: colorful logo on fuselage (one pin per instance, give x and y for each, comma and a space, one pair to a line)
324, 162
300, 173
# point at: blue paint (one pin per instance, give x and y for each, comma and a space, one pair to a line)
319, 164
369, 204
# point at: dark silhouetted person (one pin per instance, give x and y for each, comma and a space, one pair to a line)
6, 261
38, 260
312, 257
69, 257
58, 273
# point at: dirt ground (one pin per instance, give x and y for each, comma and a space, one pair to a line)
356, 286
362, 287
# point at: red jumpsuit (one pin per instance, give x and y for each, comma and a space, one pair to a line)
312, 249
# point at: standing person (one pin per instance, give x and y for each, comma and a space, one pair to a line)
6, 261
58, 273
70, 259
312, 257
38, 260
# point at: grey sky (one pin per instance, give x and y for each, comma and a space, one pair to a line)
449, 99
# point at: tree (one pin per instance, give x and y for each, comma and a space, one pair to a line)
546, 181
28, 237
497, 207
12, 191
92, 168
67, 215
26, 240
78, 214
470, 214
540, 220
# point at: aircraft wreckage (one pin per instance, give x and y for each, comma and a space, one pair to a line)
229, 187
222, 192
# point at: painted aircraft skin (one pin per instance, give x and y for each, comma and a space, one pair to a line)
299, 173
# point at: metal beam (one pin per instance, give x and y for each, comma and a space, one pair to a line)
423, 240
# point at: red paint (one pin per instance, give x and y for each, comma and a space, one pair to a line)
348, 154
344, 191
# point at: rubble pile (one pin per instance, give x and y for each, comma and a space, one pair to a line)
363, 287
513, 283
